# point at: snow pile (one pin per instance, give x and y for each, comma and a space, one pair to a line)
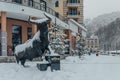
61, 35
28, 43
52, 51
72, 59
91, 68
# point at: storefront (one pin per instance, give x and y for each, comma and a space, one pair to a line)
17, 31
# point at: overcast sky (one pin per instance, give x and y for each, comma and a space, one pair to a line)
93, 8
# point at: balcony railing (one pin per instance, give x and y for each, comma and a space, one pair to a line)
38, 6
73, 16
73, 4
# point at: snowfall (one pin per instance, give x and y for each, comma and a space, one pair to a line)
102, 67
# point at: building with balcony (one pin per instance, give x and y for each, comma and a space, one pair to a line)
72, 9
14, 26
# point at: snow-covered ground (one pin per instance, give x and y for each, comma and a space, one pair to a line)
72, 68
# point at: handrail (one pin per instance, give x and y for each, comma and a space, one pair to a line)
39, 6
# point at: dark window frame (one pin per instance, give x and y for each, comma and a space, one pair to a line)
17, 1
29, 32
73, 1
57, 4
73, 11
14, 43
57, 14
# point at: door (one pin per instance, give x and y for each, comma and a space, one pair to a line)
16, 36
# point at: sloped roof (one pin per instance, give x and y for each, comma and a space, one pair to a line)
79, 25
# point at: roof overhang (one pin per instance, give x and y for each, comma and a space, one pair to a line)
79, 25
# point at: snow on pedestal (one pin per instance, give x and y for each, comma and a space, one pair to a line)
52, 52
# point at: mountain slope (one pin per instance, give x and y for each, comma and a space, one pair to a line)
101, 21
109, 35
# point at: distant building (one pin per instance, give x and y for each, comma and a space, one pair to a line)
93, 43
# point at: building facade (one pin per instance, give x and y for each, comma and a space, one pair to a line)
14, 25
71, 9
93, 43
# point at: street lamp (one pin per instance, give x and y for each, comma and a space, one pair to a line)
116, 47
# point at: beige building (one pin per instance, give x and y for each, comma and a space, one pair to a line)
93, 43
70, 9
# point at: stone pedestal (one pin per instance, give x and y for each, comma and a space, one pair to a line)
4, 43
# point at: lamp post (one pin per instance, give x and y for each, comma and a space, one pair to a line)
116, 47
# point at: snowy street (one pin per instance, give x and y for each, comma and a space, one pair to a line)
72, 68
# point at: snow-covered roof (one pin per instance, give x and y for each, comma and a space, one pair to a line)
60, 23
94, 36
79, 25
39, 20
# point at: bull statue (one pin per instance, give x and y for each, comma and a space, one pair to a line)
36, 46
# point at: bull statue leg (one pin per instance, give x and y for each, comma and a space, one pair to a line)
23, 62
17, 59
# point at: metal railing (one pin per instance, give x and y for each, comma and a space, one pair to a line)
73, 4
38, 6
73, 14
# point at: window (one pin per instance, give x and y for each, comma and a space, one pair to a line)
30, 3
95, 40
29, 33
43, 5
57, 14
73, 11
18, 1
91, 42
56, 4
73, 1
16, 36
